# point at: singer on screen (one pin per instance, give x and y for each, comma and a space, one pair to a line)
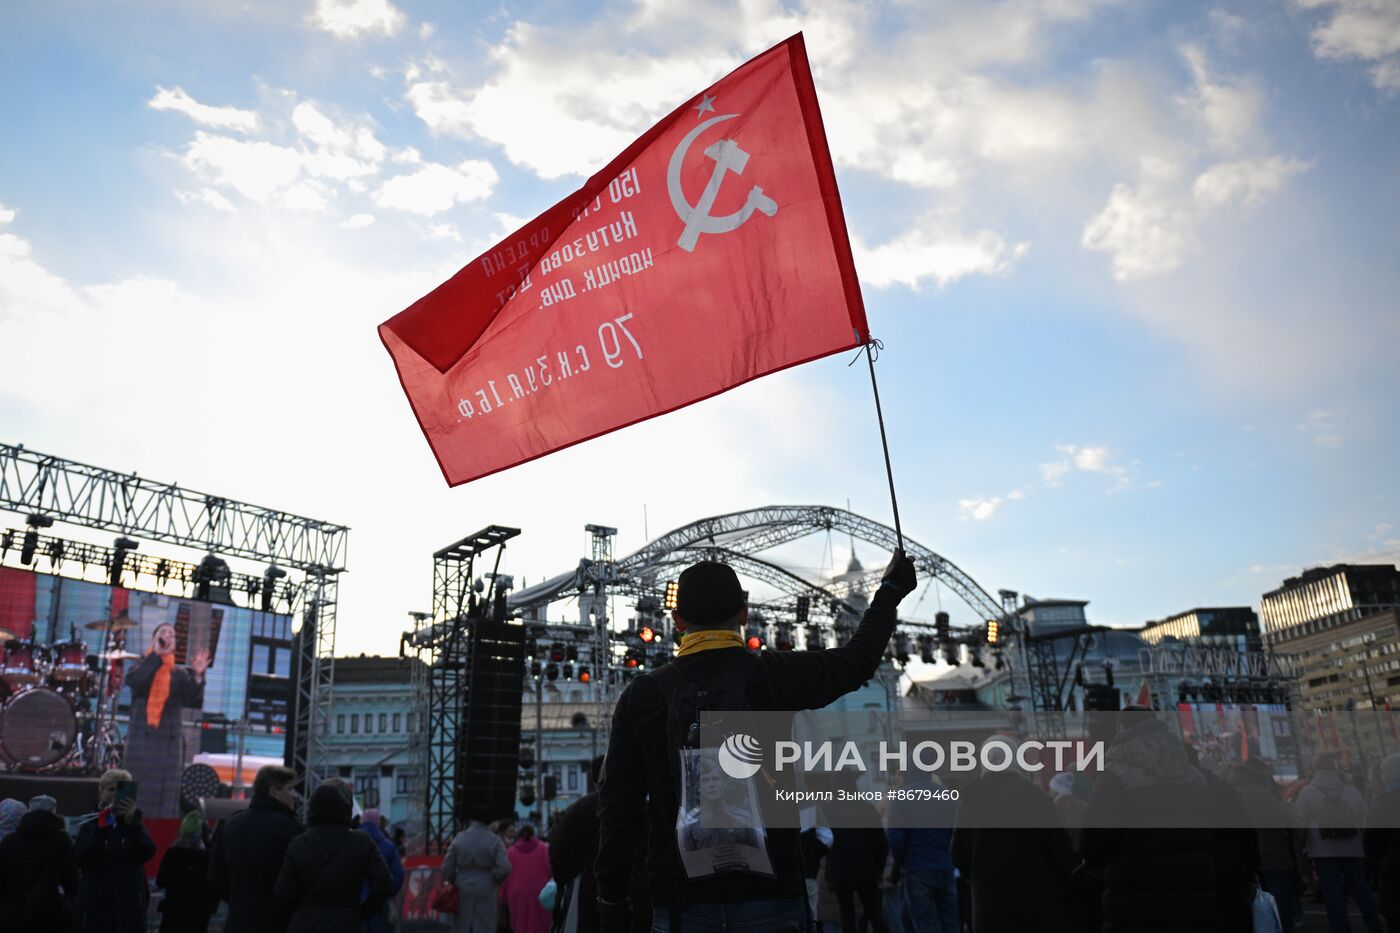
155, 744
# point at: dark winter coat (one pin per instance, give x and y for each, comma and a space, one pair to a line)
156, 757
322, 875
1018, 876
243, 867
858, 846
1382, 849
188, 902
1158, 872
35, 860
1280, 843
573, 846
379, 923
112, 896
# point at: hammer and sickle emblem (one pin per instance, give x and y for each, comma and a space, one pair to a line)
728, 157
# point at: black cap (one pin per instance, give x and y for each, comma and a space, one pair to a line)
709, 594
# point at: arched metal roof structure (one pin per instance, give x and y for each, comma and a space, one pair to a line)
738, 538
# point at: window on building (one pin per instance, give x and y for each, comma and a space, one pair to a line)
340, 725
573, 779
383, 723
345, 771
406, 782
354, 723
369, 723
396, 723
410, 722
386, 771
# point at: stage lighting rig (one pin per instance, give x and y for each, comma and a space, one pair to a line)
993, 631
673, 590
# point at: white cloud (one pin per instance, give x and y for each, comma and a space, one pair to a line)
302, 176
206, 196
435, 188
1368, 30
425, 31
1325, 428
979, 509
338, 152
926, 252
224, 118
6, 214
1229, 108
351, 19
444, 232
256, 169
1245, 183
1084, 459
1144, 228
358, 221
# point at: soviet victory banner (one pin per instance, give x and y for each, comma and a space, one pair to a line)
711, 252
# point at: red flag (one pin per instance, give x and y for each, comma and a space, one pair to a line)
711, 252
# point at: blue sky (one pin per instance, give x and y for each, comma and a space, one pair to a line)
1133, 264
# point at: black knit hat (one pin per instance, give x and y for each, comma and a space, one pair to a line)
709, 593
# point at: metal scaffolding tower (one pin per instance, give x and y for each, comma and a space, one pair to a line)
460, 604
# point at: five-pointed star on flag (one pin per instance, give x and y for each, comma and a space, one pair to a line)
706, 103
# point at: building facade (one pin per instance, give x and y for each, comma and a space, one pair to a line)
1228, 627
1350, 665
1323, 598
373, 715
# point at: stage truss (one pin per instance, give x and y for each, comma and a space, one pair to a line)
304, 559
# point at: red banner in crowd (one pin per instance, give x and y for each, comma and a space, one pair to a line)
711, 252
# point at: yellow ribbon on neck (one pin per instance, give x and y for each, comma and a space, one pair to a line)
708, 640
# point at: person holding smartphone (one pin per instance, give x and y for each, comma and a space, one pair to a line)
112, 847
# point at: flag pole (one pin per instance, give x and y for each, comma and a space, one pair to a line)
870, 347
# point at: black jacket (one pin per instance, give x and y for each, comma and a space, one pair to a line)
112, 895
573, 845
1018, 876
38, 855
322, 875
188, 903
1383, 849
638, 778
1144, 837
859, 847
246, 858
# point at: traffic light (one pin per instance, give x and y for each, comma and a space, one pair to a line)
673, 590
992, 631
804, 609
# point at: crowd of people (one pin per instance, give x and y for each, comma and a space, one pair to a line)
336, 874
1154, 843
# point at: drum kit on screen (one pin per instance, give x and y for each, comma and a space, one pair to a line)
57, 702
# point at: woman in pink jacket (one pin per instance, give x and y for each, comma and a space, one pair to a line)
529, 872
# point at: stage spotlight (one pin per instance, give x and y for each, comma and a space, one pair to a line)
551, 673
647, 634
568, 672
673, 590
584, 676
992, 631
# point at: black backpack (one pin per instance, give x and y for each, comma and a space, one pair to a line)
686, 698
1335, 817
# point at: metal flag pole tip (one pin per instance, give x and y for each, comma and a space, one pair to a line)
871, 348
